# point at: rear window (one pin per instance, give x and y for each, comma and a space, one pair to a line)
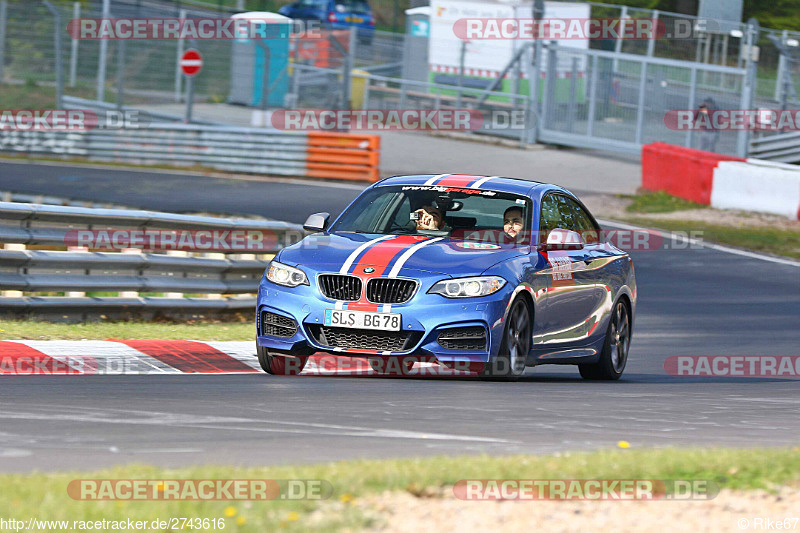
352, 6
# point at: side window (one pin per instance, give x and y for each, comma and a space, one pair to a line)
583, 222
401, 214
551, 216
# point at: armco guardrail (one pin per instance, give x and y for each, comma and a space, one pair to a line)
781, 147
174, 273
250, 150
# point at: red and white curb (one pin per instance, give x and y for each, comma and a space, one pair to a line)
136, 357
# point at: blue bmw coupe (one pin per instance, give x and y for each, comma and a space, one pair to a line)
484, 273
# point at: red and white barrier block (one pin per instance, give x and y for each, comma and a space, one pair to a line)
757, 185
137, 357
721, 181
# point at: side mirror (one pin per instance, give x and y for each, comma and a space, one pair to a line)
317, 222
564, 239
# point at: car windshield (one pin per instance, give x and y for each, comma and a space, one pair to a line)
352, 6
468, 214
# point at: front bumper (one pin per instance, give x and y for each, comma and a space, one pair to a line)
424, 317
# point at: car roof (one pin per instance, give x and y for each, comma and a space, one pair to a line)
472, 181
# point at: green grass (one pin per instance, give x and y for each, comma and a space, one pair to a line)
44, 495
205, 331
27, 96
776, 241
659, 202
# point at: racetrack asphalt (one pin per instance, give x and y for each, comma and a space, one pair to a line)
692, 301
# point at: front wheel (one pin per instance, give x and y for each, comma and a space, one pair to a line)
615, 349
280, 365
509, 364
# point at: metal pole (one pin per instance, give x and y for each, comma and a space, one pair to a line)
3, 18
618, 43
120, 72
59, 59
348, 67
592, 97
178, 73
692, 104
640, 111
73, 55
189, 99
781, 67
461, 59
572, 94
651, 44
101, 62
747, 92
535, 77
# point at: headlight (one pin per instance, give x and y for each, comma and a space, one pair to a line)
286, 275
468, 287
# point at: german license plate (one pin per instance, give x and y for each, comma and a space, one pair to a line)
342, 318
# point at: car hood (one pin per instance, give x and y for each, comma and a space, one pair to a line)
398, 253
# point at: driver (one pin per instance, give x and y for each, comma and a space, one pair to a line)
513, 222
430, 218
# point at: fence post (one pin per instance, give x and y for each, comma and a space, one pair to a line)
120, 72
618, 43
3, 18
73, 55
573, 80
692, 104
781, 68
651, 44
748, 88
592, 98
101, 62
640, 111
178, 73
59, 55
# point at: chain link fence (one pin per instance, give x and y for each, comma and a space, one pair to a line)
145, 73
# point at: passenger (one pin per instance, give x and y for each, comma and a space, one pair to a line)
430, 218
513, 222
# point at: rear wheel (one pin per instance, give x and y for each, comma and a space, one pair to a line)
509, 364
280, 364
615, 349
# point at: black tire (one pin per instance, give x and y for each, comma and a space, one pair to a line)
280, 365
617, 343
509, 364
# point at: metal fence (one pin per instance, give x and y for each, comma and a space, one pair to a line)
712, 62
34, 275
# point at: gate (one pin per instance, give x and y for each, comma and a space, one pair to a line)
612, 101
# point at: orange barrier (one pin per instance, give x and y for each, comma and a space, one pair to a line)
684, 172
345, 156
317, 50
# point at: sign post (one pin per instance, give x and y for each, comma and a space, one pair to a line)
191, 63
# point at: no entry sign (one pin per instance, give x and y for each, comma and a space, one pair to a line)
191, 62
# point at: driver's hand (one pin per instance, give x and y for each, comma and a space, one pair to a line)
425, 220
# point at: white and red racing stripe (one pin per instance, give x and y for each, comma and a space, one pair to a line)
467, 181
